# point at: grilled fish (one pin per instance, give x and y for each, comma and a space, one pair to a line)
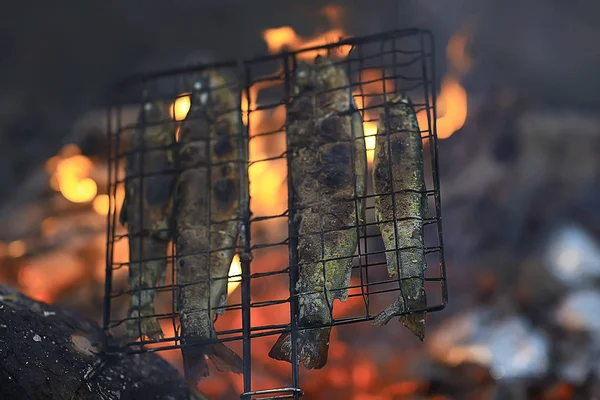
403, 143
328, 172
147, 211
207, 220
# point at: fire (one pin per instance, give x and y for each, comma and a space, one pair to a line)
452, 104
100, 204
452, 98
451, 107
370, 129
286, 38
16, 249
375, 84
456, 53
71, 177
181, 107
235, 275
354, 374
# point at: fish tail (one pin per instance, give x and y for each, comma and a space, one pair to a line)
415, 323
313, 347
143, 321
195, 361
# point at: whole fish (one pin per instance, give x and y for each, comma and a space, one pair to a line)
328, 172
207, 221
399, 152
147, 211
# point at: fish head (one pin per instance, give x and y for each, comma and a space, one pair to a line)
402, 106
199, 87
330, 76
305, 77
220, 94
402, 98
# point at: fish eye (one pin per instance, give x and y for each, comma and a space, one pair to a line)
198, 85
148, 106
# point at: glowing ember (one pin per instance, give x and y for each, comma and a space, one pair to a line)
16, 249
50, 226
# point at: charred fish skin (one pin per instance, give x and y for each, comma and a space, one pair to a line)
149, 229
404, 142
328, 174
207, 204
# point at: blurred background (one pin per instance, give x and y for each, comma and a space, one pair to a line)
519, 118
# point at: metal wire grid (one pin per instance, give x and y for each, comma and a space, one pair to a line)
376, 65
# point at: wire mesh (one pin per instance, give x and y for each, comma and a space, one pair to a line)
225, 167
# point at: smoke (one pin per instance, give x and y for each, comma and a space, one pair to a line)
60, 59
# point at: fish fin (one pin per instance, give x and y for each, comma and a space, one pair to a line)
222, 303
313, 347
196, 366
386, 315
225, 359
414, 322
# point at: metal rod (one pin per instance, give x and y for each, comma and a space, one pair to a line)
110, 222
245, 252
434, 148
292, 230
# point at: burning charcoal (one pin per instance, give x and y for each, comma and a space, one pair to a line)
510, 347
573, 256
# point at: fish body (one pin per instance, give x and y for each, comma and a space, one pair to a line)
147, 211
399, 152
328, 171
207, 204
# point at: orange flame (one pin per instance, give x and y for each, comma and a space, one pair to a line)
180, 107
452, 104
16, 249
456, 53
452, 98
286, 38
71, 175
235, 275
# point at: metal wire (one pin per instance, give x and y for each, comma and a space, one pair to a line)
377, 66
